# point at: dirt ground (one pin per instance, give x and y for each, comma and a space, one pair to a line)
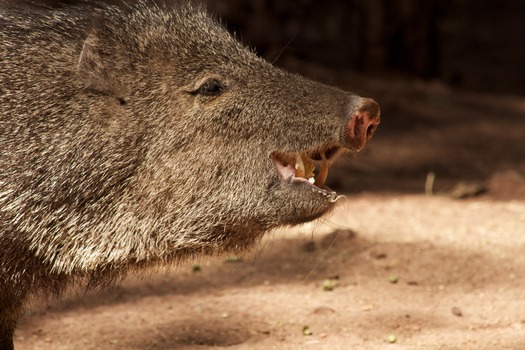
425, 253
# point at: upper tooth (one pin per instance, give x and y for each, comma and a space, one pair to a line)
309, 166
299, 166
323, 172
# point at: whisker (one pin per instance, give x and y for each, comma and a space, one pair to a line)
285, 46
322, 257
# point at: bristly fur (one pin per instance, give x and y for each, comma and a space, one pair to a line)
112, 158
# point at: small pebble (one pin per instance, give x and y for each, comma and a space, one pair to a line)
392, 338
457, 311
393, 279
329, 284
307, 331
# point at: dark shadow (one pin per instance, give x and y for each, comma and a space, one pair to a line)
307, 260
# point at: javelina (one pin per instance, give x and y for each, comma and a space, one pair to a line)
133, 136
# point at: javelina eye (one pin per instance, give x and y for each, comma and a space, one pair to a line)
211, 87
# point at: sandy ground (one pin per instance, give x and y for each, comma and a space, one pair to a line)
391, 268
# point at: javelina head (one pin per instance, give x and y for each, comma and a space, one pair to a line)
233, 146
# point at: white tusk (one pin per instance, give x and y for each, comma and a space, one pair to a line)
299, 166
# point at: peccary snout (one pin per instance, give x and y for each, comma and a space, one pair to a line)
362, 124
305, 171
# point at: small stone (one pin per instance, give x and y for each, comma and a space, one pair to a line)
329, 284
456, 311
392, 338
393, 279
307, 331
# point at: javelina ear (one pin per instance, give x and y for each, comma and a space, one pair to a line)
96, 68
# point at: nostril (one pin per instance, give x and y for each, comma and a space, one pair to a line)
371, 108
370, 131
372, 126
362, 125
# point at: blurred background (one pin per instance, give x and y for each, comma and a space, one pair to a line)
463, 43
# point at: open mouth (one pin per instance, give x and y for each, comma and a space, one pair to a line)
309, 168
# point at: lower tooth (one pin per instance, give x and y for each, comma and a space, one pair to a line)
311, 180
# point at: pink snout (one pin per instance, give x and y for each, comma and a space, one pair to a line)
362, 124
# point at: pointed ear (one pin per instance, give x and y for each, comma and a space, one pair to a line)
97, 68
